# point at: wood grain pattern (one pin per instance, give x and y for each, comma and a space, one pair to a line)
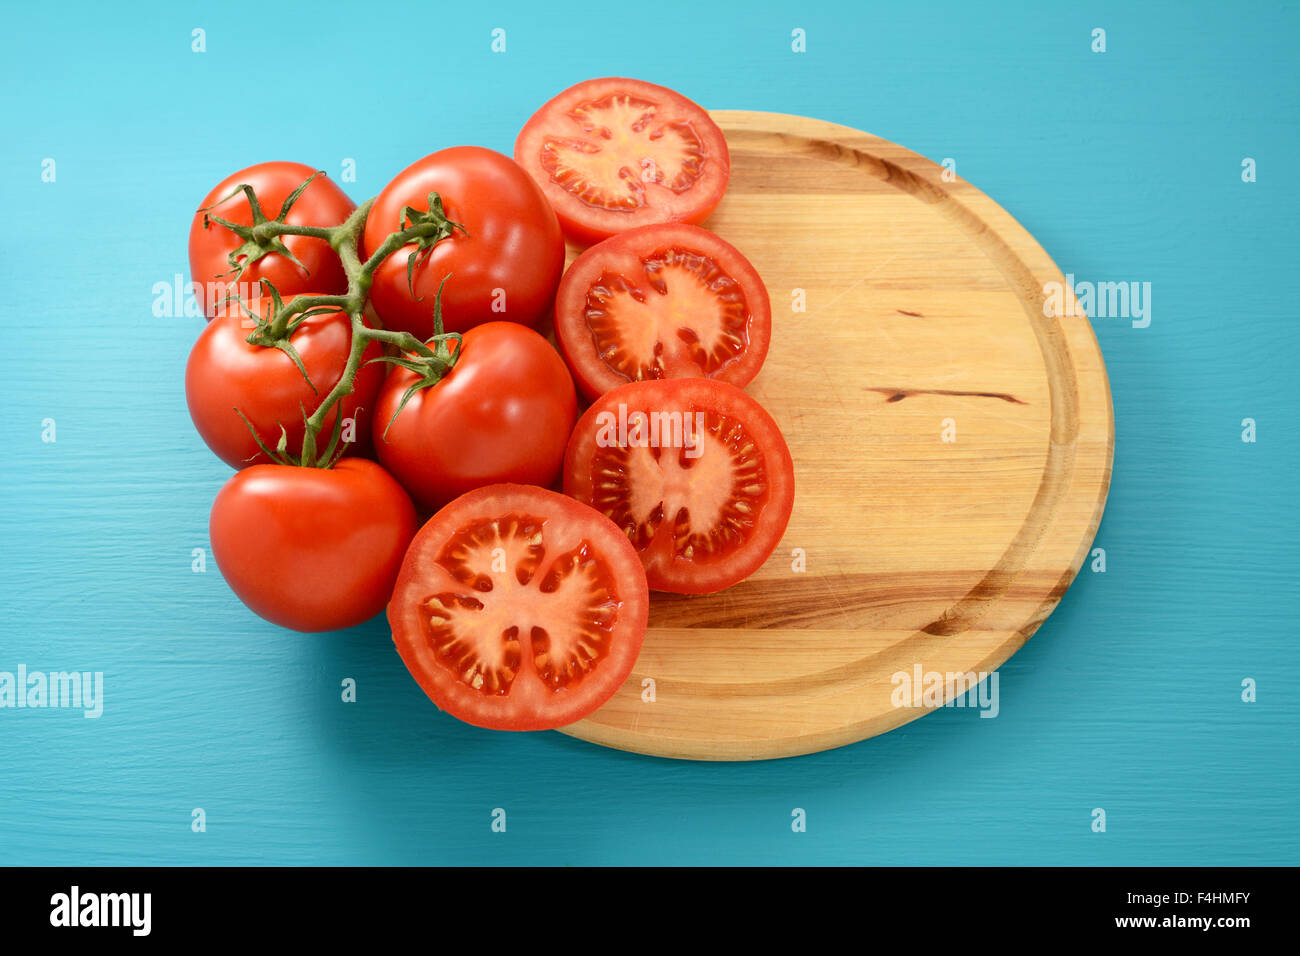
924, 302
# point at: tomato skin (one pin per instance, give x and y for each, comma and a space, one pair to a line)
224, 372
312, 549
503, 414
530, 704
586, 222
505, 268
766, 513
624, 255
322, 204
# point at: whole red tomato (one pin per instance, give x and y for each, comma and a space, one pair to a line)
321, 204
225, 372
502, 414
312, 549
504, 265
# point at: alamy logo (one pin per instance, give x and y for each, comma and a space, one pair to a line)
179, 299
80, 689
1101, 300
75, 908
638, 429
932, 688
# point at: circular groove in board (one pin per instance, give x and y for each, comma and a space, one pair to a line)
952, 447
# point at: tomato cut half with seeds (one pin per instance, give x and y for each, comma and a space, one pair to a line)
519, 609
696, 474
612, 154
664, 301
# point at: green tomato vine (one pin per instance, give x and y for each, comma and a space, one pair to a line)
431, 360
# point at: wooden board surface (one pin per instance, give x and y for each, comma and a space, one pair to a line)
923, 320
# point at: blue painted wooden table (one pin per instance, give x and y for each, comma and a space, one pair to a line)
1164, 159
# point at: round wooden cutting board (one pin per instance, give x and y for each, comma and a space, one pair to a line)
952, 447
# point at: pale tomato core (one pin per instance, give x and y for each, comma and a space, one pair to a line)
520, 607
710, 490
685, 316
617, 147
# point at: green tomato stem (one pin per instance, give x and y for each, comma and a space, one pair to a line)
345, 239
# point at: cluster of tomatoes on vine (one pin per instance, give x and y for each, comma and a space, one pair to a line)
367, 368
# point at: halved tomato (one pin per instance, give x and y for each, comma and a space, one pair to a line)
519, 609
664, 301
693, 470
614, 153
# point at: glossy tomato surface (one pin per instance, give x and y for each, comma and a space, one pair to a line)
696, 474
504, 266
615, 153
323, 203
663, 301
312, 549
519, 609
227, 375
503, 414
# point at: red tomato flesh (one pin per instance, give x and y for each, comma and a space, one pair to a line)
694, 471
614, 153
663, 301
519, 609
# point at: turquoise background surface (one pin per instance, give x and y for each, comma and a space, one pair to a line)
1126, 165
